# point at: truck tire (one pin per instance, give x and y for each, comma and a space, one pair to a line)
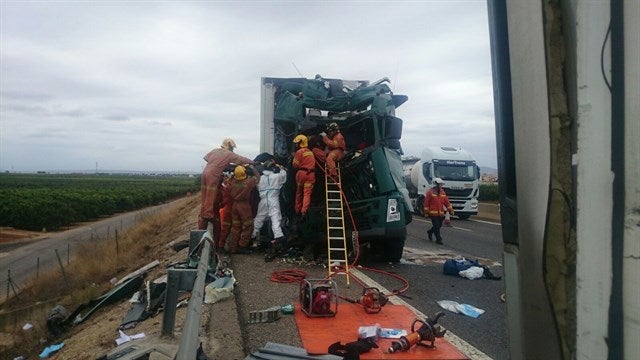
463, 216
394, 249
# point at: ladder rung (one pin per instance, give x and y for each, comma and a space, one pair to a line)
336, 238
335, 218
337, 261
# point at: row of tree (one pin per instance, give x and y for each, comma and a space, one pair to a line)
34, 202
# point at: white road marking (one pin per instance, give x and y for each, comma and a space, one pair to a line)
460, 344
417, 218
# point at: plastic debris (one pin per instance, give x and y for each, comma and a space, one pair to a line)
368, 331
27, 326
126, 338
50, 350
464, 309
388, 333
287, 309
220, 289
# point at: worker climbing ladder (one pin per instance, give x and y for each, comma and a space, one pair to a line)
336, 240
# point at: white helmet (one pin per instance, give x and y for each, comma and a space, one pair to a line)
438, 181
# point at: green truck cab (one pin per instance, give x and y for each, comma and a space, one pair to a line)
378, 207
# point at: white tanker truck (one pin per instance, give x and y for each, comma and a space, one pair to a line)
456, 167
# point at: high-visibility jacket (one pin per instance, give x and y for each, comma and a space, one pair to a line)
436, 202
303, 160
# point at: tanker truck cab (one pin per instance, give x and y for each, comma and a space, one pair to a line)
458, 169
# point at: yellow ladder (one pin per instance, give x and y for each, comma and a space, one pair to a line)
336, 240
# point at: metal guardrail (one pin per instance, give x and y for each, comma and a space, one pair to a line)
179, 279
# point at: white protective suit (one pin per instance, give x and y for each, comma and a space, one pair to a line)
269, 189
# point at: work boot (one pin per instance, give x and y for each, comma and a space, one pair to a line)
273, 251
439, 241
430, 235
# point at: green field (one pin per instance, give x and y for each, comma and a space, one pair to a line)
51, 201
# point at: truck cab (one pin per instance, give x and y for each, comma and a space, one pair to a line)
457, 168
372, 181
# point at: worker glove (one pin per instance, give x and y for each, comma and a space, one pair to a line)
323, 134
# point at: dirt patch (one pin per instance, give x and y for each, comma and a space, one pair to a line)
9, 235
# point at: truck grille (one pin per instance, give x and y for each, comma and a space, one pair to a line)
458, 193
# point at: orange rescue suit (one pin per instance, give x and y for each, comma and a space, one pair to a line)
305, 163
335, 148
241, 214
434, 203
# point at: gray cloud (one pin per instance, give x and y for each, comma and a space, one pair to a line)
148, 86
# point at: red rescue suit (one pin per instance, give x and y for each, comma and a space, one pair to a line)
225, 215
304, 162
217, 160
241, 214
333, 152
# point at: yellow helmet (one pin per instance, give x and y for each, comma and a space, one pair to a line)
240, 173
228, 144
301, 140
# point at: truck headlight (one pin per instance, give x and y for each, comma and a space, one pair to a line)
393, 213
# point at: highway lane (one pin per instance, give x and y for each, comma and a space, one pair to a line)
422, 266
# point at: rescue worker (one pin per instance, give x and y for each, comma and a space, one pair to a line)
304, 163
334, 148
273, 178
217, 160
435, 203
226, 206
240, 187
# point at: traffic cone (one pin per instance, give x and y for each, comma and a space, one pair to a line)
447, 219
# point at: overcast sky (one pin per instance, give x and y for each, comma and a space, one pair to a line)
154, 86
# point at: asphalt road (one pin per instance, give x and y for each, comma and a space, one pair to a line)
21, 260
422, 267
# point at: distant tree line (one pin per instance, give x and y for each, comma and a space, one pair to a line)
37, 201
489, 192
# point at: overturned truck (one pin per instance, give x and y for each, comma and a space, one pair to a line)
378, 206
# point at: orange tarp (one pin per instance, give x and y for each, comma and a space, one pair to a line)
317, 333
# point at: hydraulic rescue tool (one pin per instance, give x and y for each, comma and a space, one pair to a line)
372, 300
428, 331
319, 297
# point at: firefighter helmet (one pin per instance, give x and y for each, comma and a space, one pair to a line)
228, 144
333, 127
240, 173
301, 140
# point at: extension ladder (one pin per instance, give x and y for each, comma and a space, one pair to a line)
336, 240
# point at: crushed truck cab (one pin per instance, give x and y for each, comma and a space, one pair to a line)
371, 171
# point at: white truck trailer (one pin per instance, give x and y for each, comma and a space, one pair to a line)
456, 167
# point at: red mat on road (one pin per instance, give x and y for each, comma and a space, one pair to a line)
317, 333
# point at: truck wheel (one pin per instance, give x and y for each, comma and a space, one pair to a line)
463, 216
394, 249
